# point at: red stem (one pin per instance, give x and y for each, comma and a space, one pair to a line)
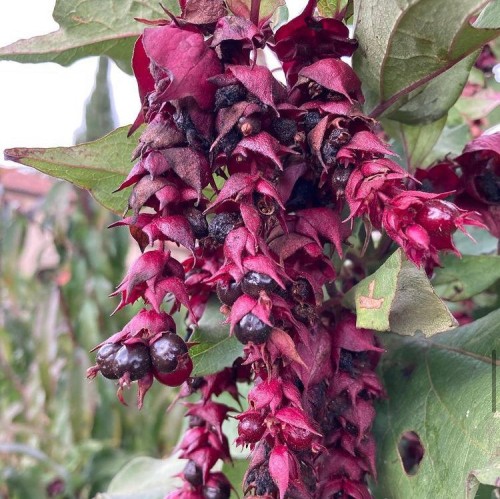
254, 12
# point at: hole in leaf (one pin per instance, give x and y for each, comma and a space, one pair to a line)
412, 451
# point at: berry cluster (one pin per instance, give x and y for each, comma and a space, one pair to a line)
147, 348
286, 163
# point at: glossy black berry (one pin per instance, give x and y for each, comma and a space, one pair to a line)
222, 224
251, 328
198, 222
251, 427
255, 282
105, 359
228, 96
284, 130
193, 474
133, 360
228, 292
165, 352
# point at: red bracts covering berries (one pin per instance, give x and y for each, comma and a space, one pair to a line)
306, 39
295, 160
480, 165
472, 180
423, 224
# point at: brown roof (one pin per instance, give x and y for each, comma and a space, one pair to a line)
25, 181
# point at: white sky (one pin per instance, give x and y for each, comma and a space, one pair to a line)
41, 105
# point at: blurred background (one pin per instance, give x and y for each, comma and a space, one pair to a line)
61, 435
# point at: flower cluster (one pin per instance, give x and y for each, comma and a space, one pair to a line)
295, 158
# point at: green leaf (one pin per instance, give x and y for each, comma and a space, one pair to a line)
462, 278
486, 476
330, 8
451, 141
145, 478
415, 55
417, 140
441, 389
483, 242
235, 472
489, 17
398, 297
89, 27
99, 166
479, 105
215, 349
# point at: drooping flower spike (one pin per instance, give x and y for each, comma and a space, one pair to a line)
260, 183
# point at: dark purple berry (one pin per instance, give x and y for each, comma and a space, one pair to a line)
305, 313
229, 142
193, 474
251, 427
488, 186
134, 360
346, 361
301, 291
105, 359
216, 492
197, 221
303, 195
217, 489
228, 292
255, 282
196, 383
228, 96
298, 439
165, 352
284, 130
329, 152
179, 375
251, 328
337, 138
340, 178
195, 421
311, 119
222, 224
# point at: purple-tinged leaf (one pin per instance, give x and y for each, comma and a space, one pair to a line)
189, 62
